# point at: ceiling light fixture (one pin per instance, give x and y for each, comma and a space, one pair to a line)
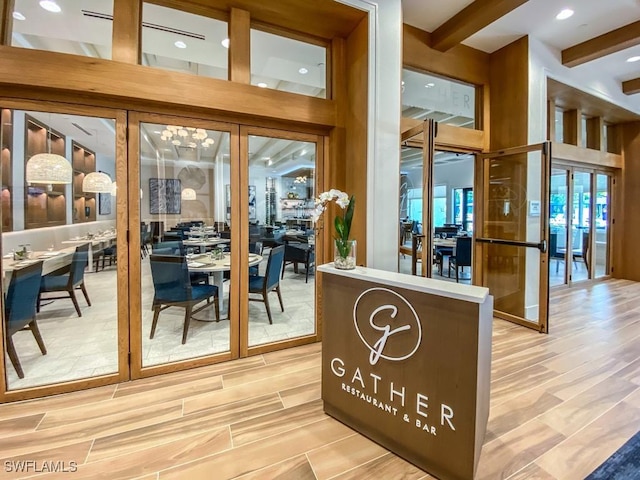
262, 85
430, 85
97, 182
633, 59
225, 43
188, 136
50, 6
180, 44
19, 16
301, 179
564, 14
303, 71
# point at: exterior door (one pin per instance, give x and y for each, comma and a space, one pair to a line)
512, 233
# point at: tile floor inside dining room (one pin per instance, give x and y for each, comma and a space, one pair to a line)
81, 347
561, 404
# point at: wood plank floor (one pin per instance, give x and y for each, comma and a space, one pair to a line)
560, 405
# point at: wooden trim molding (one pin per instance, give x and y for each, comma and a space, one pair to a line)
603, 45
631, 87
120, 82
127, 31
471, 20
6, 21
564, 151
240, 46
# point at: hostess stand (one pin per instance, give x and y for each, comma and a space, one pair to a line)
406, 361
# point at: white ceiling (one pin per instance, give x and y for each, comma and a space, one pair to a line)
536, 18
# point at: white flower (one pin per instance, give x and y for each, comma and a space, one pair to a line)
333, 193
317, 212
343, 200
324, 197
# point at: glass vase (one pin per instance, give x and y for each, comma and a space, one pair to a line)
345, 254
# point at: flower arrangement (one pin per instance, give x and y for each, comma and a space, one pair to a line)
345, 255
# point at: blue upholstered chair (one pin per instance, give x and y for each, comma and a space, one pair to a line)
462, 258
176, 247
20, 309
69, 281
257, 248
270, 281
173, 288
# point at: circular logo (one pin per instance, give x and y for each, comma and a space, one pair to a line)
387, 324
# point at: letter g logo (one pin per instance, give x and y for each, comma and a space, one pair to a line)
387, 324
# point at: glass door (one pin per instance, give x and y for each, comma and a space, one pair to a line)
512, 231
184, 207
581, 223
602, 227
64, 249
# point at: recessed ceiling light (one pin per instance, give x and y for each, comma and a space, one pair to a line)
19, 16
633, 59
50, 6
564, 14
157, 132
180, 44
303, 71
262, 85
430, 85
225, 43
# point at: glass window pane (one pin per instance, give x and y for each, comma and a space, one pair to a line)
184, 42
446, 101
281, 239
411, 168
185, 194
602, 226
580, 226
558, 226
67, 235
290, 65
559, 119
79, 28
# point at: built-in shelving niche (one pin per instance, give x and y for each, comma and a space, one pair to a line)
84, 204
45, 204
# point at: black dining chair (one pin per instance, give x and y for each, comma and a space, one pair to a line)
70, 281
20, 307
296, 253
173, 288
257, 248
462, 257
270, 281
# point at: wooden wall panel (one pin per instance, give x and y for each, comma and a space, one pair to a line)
626, 261
572, 127
127, 31
356, 132
594, 133
90, 78
460, 62
509, 68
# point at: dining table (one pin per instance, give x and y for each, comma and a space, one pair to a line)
52, 260
97, 242
204, 243
217, 266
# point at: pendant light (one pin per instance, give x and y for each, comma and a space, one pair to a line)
188, 194
48, 168
97, 182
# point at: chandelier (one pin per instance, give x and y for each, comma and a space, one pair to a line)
187, 136
302, 179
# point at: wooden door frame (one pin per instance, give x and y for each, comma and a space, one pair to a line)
323, 236
545, 148
123, 303
134, 280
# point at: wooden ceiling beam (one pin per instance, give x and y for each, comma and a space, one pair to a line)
631, 87
603, 45
470, 20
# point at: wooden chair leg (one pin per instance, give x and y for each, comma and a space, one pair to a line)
33, 326
72, 294
154, 324
187, 319
457, 277
216, 303
86, 295
38, 303
266, 305
280, 297
13, 356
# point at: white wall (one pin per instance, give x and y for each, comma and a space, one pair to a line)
383, 149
